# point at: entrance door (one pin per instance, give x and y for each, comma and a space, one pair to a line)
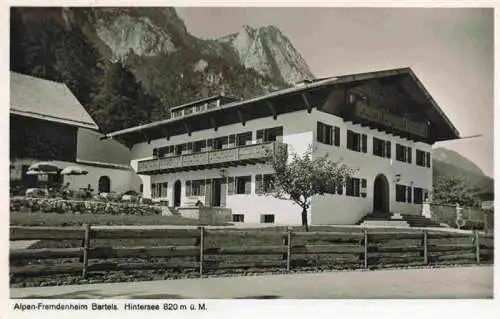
216, 192
104, 184
381, 195
219, 189
177, 193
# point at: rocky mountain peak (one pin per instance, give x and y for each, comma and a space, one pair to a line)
269, 52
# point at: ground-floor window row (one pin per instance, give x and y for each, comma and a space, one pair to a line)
264, 183
404, 194
233, 140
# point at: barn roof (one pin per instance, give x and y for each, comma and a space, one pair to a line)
47, 100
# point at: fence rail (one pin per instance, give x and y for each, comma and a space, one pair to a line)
364, 249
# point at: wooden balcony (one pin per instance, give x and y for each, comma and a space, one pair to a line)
236, 156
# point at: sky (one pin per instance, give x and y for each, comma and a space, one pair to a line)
450, 50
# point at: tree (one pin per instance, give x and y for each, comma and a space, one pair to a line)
78, 65
121, 101
452, 190
299, 178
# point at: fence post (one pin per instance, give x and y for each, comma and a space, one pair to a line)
289, 250
202, 248
426, 260
478, 251
86, 246
365, 231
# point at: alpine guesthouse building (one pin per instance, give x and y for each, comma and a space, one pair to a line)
382, 124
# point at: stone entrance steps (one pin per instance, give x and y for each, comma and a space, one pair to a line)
399, 220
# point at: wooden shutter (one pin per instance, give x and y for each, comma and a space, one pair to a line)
337, 136
428, 159
330, 132
208, 192
363, 187
248, 184
153, 190
388, 149
258, 184
364, 143
349, 139
319, 132
408, 157
188, 188
202, 187
230, 185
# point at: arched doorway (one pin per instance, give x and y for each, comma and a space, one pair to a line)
104, 184
381, 195
177, 193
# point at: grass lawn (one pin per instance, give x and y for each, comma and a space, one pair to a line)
55, 219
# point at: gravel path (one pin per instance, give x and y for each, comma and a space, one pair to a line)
458, 282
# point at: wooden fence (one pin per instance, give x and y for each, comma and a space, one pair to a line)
368, 248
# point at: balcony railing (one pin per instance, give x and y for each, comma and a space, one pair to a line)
241, 155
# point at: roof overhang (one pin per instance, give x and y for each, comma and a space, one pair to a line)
59, 120
288, 100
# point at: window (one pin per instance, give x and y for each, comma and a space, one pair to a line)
232, 140
244, 139
324, 134
269, 182
400, 193
403, 153
356, 142
239, 185
238, 218
270, 134
273, 134
423, 158
264, 183
158, 190
418, 195
201, 108
198, 187
220, 143
180, 149
328, 134
188, 110
267, 218
381, 148
352, 187
340, 188
176, 113
199, 146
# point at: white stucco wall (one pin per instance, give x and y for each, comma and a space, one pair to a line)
251, 205
297, 133
342, 209
299, 130
121, 179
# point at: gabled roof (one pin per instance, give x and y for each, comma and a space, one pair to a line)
46, 100
405, 77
